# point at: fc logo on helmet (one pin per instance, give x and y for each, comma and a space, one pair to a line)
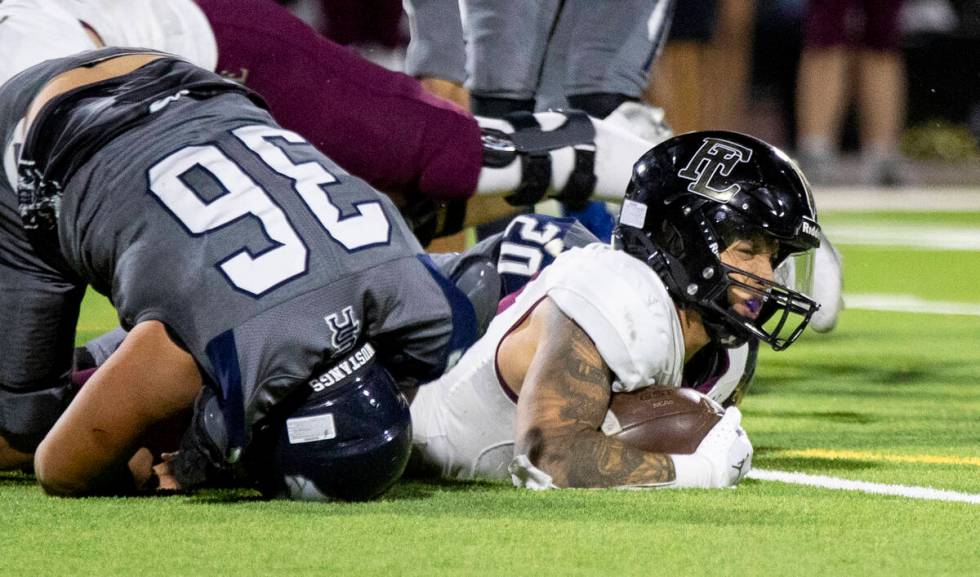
715, 156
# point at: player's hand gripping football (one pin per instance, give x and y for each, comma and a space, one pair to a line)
727, 450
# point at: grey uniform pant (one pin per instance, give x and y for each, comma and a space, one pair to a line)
544, 49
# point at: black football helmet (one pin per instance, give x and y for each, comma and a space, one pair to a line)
690, 197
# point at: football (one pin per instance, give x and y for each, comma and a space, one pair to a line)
662, 419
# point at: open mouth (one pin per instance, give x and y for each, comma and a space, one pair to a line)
773, 313
748, 307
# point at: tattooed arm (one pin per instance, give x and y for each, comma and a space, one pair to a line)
564, 396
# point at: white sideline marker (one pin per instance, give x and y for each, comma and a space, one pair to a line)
909, 304
907, 236
911, 492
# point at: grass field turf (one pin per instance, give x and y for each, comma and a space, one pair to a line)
877, 400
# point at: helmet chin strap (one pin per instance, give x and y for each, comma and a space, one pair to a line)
730, 334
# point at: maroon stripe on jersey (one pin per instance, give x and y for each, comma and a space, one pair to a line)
496, 368
508, 300
712, 379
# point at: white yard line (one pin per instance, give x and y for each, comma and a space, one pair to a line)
906, 236
908, 304
853, 454
856, 198
911, 492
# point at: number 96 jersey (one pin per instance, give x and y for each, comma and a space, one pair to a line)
172, 192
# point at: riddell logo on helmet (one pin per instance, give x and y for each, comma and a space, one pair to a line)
714, 157
810, 229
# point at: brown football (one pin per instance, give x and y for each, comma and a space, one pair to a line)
662, 419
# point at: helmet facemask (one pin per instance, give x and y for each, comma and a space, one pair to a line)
781, 312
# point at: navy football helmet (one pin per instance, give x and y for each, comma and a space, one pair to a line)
693, 195
348, 436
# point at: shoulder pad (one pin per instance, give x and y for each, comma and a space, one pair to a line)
626, 311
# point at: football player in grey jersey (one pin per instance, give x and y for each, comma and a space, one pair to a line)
237, 256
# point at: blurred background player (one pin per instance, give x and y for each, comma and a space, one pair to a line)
682, 70
532, 394
709, 46
851, 44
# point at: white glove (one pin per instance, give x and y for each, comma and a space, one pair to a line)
721, 460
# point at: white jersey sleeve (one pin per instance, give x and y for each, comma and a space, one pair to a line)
32, 31
175, 26
625, 309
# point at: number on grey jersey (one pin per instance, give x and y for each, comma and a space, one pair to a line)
259, 273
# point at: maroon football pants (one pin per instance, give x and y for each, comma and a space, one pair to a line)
379, 125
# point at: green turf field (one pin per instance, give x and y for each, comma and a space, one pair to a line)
892, 397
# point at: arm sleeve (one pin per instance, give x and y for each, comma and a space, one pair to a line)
437, 48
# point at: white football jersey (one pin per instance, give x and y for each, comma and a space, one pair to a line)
464, 423
174, 26
32, 31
